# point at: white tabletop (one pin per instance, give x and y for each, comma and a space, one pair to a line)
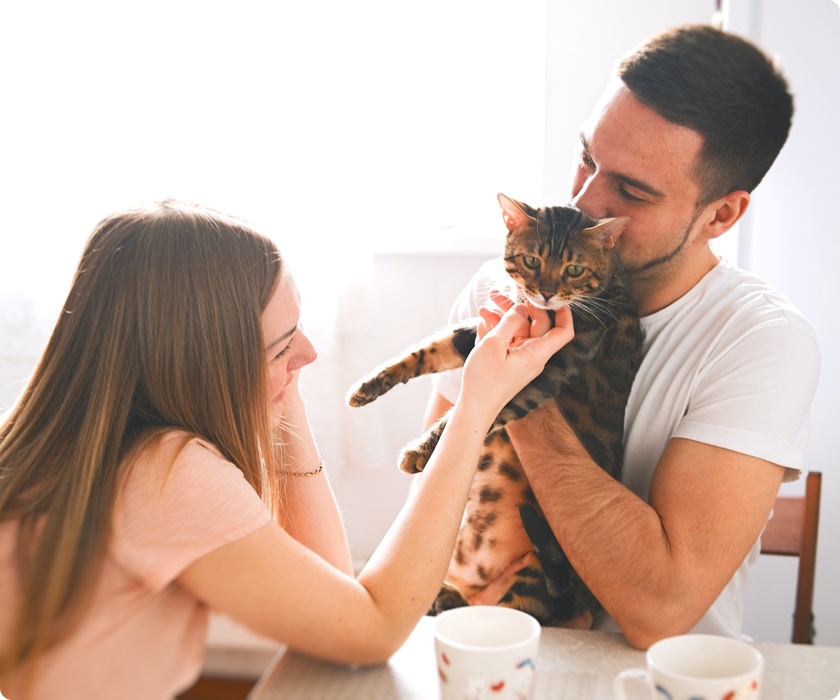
572, 664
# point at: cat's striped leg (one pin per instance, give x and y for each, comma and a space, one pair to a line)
416, 454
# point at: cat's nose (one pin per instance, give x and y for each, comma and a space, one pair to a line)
547, 293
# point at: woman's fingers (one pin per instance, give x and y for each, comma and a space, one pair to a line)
491, 315
500, 300
541, 321
511, 358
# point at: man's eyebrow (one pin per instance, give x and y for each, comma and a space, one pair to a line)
632, 181
287, 334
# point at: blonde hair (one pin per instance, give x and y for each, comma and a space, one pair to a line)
161, 329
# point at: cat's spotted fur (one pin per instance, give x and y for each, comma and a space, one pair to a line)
556, 256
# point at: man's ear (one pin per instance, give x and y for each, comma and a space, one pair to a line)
722, 214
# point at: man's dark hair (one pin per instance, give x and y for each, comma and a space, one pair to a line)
721, 86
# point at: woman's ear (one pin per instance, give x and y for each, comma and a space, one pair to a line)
722, 214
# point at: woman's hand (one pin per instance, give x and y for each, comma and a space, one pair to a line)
538, 321
513, 350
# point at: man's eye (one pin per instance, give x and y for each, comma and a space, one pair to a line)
629, 197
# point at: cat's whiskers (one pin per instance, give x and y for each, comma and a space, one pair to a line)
591, 306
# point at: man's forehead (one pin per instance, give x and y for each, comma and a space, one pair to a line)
615, 89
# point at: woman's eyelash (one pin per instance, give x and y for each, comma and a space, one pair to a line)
285, 351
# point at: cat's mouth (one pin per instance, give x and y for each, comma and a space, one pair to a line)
539, 300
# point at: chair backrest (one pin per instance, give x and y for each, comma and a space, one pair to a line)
792, 532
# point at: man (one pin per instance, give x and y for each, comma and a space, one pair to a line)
717, 418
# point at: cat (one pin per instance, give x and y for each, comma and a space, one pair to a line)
555, 255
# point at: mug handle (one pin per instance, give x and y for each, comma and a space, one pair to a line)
639, 674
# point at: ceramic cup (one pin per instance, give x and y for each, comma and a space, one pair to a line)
485, 651
696, 667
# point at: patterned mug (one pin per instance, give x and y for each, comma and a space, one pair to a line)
697, 667
486, 652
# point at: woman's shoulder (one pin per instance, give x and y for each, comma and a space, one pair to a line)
181, 499
175, 459
174, 444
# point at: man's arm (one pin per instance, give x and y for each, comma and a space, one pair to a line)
656, 567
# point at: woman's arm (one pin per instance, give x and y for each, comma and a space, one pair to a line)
308, 510
275, 585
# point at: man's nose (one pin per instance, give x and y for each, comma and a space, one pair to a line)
591, 197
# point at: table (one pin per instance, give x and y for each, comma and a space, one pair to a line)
572, 664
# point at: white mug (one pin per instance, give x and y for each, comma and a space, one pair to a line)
697, 667
486, 651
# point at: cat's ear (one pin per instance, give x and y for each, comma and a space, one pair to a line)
607, 230
516, 214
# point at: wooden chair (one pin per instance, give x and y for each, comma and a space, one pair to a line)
209, 688
792, 532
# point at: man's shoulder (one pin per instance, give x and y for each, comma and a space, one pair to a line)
727, 306
740, 293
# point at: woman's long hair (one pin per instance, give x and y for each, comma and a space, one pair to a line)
161, 329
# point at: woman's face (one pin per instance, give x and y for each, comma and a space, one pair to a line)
287, 347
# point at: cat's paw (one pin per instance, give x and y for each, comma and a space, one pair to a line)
368, 390
415, 455
448, 598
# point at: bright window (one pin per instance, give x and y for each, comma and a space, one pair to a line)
347, 122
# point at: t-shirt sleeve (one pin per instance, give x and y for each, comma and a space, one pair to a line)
177, 506
756, 397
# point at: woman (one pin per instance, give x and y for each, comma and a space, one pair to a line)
160, 464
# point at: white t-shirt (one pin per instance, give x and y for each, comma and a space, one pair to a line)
732, 364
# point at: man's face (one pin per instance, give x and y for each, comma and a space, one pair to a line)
635, 163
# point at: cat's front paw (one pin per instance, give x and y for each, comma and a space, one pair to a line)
368, 390
415, 455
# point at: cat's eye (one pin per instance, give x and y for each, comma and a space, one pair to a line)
531, 262
574, 270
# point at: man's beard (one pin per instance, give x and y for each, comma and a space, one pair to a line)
635, 271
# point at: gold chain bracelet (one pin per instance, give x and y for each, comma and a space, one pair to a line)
312, 473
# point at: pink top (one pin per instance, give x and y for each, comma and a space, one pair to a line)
143, 636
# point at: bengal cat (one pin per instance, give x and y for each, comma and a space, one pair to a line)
556, 256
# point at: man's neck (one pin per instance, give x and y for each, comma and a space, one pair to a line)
653, 293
